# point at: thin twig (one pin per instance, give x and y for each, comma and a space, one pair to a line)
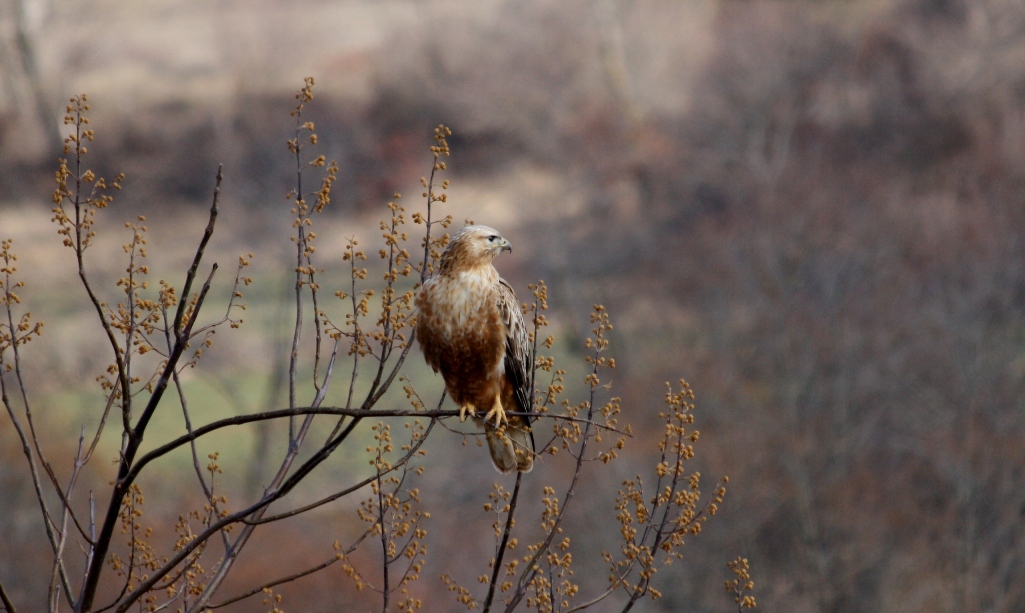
92, 539
530, 572
190, 277
136, 434
48, 522
358, 486
271, 584
103, 421
207, 490
596, 600
181, 591
67, 512
295, 576
6, 600
65, 503
385, 591
80, 245
272, 496
300, 246
278, 488
503, 546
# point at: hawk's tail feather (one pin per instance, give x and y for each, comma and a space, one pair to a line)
511, 450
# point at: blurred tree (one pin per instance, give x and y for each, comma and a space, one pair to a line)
23, 78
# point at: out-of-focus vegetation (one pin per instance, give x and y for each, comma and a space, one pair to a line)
813, 210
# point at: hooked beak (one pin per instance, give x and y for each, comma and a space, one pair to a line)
506, 246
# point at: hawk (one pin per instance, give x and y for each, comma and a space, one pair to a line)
471, 330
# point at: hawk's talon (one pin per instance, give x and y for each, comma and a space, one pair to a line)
466, 409
499, 414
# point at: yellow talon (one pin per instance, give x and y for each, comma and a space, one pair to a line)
465, 410
499, 414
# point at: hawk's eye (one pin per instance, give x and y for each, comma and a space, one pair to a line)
492, 238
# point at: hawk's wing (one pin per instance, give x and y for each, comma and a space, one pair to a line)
517, 347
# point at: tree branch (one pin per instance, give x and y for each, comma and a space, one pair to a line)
398, 464
136, 434
287, 579
503, 546
6, 600
190, 277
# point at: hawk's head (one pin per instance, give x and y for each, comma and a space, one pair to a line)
473, 246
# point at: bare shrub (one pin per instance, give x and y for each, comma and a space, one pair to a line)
120, 536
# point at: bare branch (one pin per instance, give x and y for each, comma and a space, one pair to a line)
278, 488
65, 503
358, 486
385, 591
56, 542
207, 491
190, 277
503, 546
288, 579
103, 421
136, 434
595, 600
530, 568
6, 600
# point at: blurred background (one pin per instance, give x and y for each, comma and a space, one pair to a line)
812, 210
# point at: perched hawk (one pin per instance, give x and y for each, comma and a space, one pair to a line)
470, 328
